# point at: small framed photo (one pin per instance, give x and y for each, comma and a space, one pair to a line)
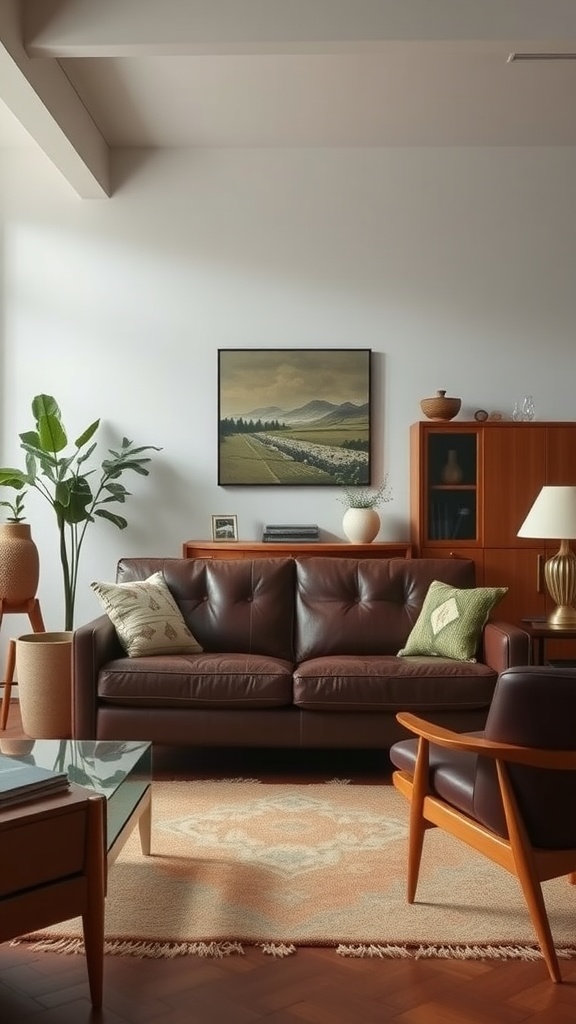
224, 528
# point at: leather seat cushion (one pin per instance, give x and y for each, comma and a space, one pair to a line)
452, 772
387, 683
197, 680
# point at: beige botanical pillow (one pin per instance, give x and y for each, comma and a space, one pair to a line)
451, 621
146, 616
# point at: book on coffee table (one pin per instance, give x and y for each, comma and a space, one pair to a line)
20, 781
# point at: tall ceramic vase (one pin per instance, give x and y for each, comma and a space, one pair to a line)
361, 525
44, 670
19, 563
452, 471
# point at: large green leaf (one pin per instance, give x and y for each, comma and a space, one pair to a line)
116, 489
12, 478
118, 521
73, 498
31, 439
45, 405
52, 434
87, 434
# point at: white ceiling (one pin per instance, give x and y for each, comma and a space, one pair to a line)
79, 77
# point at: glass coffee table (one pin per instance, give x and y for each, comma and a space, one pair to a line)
120, 770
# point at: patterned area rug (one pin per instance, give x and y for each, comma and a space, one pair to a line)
238, 862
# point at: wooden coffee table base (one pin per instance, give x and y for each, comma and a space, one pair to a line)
141, 815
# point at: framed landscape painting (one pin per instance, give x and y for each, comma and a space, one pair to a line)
294, 417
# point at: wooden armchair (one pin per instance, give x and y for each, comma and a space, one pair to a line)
509, 792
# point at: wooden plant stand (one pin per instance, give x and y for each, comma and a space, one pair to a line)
31, 608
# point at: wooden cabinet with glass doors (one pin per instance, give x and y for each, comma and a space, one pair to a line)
472, 485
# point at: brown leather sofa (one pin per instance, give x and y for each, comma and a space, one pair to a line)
297, 652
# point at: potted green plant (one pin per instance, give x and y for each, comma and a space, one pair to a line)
19, 562
361, 521
76, 493
16, 507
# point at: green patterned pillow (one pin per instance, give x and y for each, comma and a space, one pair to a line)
451, 621
146, 616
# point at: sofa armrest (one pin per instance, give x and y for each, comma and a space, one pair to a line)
93, 645
504, 646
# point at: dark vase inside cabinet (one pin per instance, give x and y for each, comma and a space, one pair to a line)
452, 487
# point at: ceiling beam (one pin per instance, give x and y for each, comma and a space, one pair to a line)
39, 95
113, 28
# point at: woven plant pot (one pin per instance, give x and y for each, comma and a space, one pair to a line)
19, 563
44, 671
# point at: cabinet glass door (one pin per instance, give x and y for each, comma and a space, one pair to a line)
452, 478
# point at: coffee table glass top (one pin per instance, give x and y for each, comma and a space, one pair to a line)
120, 770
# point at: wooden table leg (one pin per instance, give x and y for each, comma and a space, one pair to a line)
8, 677
35, 616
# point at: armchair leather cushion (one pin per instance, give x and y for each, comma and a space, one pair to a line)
146, 617
451, 621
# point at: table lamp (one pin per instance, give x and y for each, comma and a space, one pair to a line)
553, 517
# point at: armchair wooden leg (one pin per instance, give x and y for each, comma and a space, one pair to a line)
538, 914
417, 824
527, 874
415, 846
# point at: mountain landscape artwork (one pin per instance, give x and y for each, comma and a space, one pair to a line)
294, 417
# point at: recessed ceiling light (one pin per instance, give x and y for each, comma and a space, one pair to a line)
540, 56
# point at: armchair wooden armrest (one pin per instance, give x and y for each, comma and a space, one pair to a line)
534, 756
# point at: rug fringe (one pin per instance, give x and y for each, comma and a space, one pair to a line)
278, 949
447, 952
214, 950
130, 947
203, 782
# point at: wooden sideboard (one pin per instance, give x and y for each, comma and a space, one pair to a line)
261, 549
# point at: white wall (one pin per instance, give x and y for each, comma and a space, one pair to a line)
455, 266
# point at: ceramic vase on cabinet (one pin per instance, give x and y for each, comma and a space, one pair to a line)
19, 563
361, 525
452, 471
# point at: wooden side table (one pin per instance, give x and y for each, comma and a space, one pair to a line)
53, 868
540, 633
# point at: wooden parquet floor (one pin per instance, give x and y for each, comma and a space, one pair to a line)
315, 986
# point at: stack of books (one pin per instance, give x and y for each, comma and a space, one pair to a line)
20, 782
281, 533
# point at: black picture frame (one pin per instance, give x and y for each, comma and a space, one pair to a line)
294, 417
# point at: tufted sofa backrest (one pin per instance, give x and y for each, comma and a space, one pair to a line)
365, 606
240, 605
300, 608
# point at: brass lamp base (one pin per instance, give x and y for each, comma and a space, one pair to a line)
560, 576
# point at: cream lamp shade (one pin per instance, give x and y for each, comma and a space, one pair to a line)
553, 517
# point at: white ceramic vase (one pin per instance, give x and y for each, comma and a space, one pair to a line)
361, 525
